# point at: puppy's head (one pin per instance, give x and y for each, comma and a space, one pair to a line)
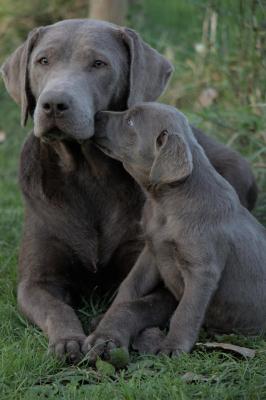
152, 141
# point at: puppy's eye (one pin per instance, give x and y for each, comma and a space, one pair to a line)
130, 122
162, 138
43, 61
98, 64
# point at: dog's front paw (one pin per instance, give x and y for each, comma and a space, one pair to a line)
173, 348
108, 347
170, 351
68, 349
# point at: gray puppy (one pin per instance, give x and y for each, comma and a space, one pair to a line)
207, 248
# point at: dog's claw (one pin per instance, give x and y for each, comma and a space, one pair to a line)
170, 351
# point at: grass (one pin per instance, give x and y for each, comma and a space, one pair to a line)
236, 117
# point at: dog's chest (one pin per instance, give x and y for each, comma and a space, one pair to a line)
159, 227
163, 234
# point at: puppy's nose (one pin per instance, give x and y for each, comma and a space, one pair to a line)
55, 104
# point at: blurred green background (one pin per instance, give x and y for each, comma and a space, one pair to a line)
218, 48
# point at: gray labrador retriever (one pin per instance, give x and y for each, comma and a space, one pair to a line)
82, 209
207, 248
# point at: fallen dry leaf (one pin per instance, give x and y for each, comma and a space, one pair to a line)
2, 136
243, 351
207, 97
200, 48
259, 165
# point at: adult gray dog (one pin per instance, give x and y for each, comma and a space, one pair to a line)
207, 248
82, 209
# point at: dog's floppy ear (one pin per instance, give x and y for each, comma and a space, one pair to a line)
15, 75
149, 70
174, 159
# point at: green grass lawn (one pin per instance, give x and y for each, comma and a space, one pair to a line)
236, 117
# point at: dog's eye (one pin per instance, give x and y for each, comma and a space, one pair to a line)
161, 138
130, 122
98, 64
43, 61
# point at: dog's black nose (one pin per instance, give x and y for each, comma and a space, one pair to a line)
54, 107
55, 104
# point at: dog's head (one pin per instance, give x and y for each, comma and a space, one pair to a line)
64, 73
152, 140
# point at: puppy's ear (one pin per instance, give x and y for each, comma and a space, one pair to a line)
174, 159
149, 70
16, 76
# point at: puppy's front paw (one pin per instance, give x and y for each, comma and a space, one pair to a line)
173, 348
108, 347
68, 349
170, 352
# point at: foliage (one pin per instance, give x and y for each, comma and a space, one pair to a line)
17, 18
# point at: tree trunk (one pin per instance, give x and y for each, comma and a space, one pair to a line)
109, 10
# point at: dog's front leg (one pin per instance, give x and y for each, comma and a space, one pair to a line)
200, 283
56, 318
131, 311
141, 280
